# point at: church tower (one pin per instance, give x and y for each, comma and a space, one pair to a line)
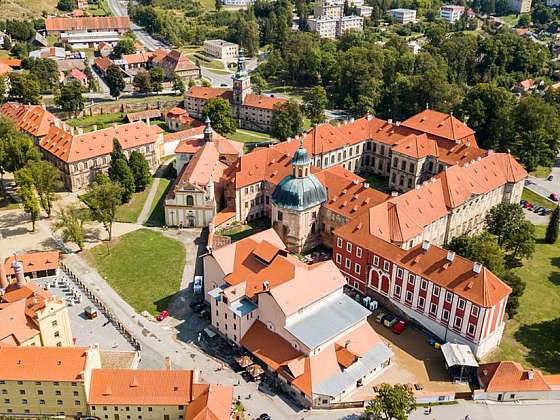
241, 81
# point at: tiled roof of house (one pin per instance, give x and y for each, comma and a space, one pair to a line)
137, 58
31, 119
15, 326
103, 63
262, 101
140, 387
210, 402
5, 69
441, 125
509, 376
87, 23
61, 364
176, 61
78, 75
34, 261
176, 111
266, 164
203, 167
417, 146
142, 115
203, 92
14, 63
72, 148
223, 145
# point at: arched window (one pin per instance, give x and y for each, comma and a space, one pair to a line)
190, 200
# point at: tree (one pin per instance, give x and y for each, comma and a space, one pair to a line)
124, 46
142, 82
218, 5
287, 120
3, 88
314, 104
116, 153
122, 174
517, 285
140, 170
219, 112
45, 179
258, 83
178, 84
70, 222
25, 88
157, 76
115, 80
524, 20
104, 197
30, 203
45, 72
66, 5
70, 98
483, 248
515, 234
392, 402
552, 229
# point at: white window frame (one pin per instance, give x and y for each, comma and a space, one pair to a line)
358, 252
338, 258
339, 242
386, 266
421, 302
408, 292
433, 305
475, 311
356, 285
458, 318
357, 268
400, 273
349, 246
445, 315
435, 291
398, 290
461, 304
376, 260
473, 329
449, 297
411, 278
347, 263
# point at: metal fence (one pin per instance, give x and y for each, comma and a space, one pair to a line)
102, 307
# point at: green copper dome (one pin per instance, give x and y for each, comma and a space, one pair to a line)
301, 157
299, 193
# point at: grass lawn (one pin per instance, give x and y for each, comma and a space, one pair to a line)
510, 20
241, 231
157, 214
541, 172
375, 181
23, 9
533, 337
535, 198
209, 5
130, 211
248, 136
102, 121
143, 266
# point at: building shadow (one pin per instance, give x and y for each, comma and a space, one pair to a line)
543, 341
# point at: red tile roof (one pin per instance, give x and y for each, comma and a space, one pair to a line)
72, 148
87, 23
103, 63
202, 92
210, 402
34, 261
31, 119
261, 101
509, 376
78, 75
441, 125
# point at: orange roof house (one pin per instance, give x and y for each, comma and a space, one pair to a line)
94, 23
34, 262
510, 377
440, 125
34, 120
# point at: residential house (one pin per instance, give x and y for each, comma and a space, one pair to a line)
57, 25
224, 50
403, 16
451, 13
78, 76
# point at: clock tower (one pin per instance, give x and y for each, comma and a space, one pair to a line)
241, 81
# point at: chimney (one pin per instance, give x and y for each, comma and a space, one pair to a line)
167, 363
18, 269
195, 376
398, 123
266, 285
352, 120
4, 283
115, 125
148, 123
366, 185
394, 193
369, 116
425, 245
80, 130
477, 267
94, 127
390, 121
450, 256
530, 374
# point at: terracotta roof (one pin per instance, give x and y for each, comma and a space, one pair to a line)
72, 148
31, 119
62, 364
137, 58
203, 167
417, 146
103, 63
261, 101
440, 124
210, 402
175, 112
183, 134
34, 261
484, 289
202, 92
14, 63
87, 23
5, 69
526, 84
223, 145
266, 251
176, 61
78, 75
142, 115
140, 387
509, 376
15, 326
265, 164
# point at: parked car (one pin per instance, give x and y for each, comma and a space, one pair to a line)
380, 316
554, 197
264, 416
390, 320
197, 285
400, 326
195, 303
162, 315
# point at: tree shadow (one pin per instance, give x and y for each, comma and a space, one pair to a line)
164, 302
554, 276
543, 341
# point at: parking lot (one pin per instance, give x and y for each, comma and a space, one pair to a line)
415, 361
86, 331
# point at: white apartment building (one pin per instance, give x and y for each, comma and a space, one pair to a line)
347, 23
403, 16
365, 11
224, 50
325, 26
451, 13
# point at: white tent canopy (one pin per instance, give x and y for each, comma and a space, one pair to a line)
458, 355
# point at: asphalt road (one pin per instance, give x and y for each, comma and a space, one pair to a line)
544, 187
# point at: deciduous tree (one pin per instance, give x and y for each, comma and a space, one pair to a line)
104, 197
30, 203
70, 98
70, 223
45, 179
140, 170
314, 103
142, 82
517, 285
24, 88
115, 80
392, 402
124, 46
219, 112
483, 248
287, 120
157, 76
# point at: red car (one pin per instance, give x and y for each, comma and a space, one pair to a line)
399, 327
163, 314
554, 197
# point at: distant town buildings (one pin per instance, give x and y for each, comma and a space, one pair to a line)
520, 6
72, 382
237, 3
294, 318
329, 20
403, 16
224, 50
58, 25
553, 3
451, 13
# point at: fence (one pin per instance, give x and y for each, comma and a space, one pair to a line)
106, 311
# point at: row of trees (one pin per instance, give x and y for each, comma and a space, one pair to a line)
508, 238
